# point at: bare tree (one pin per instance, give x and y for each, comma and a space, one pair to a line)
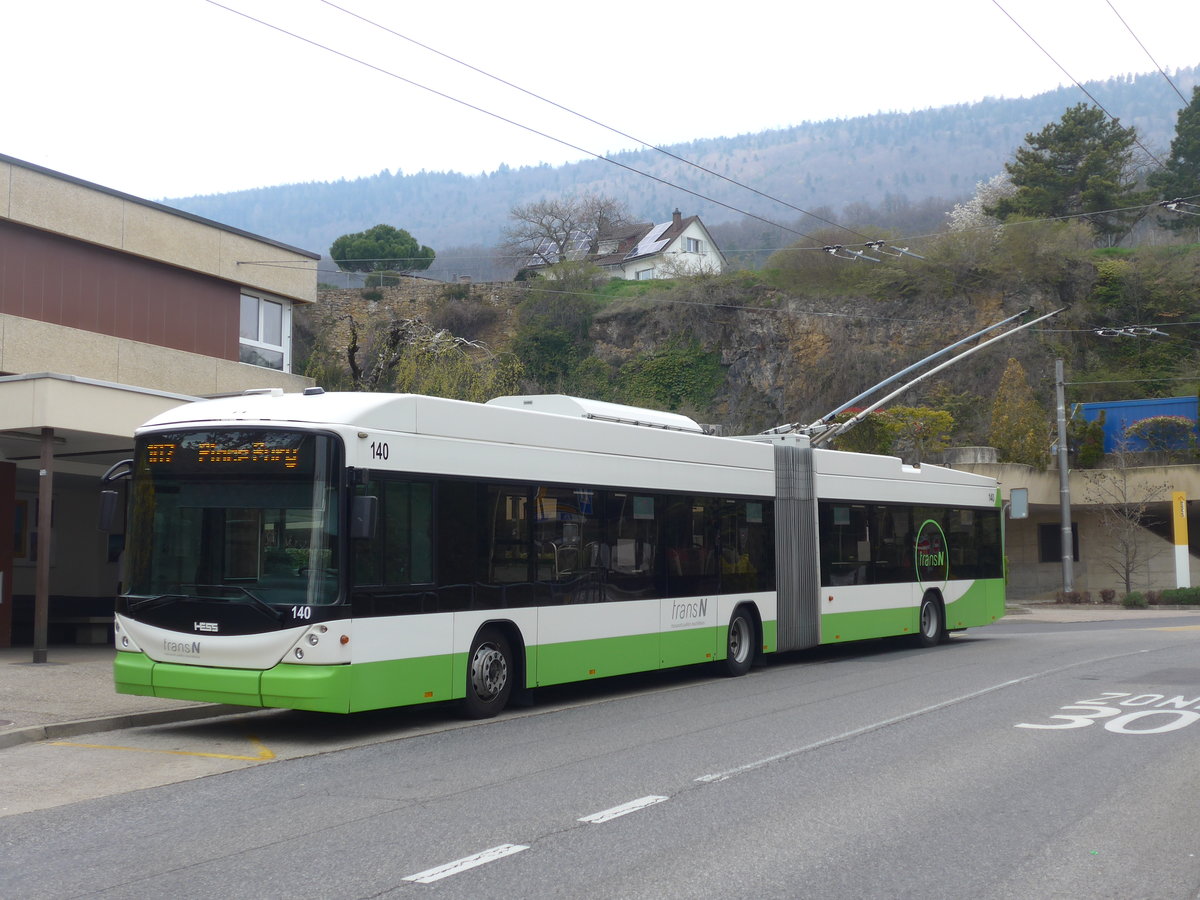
1123, 499
547, 232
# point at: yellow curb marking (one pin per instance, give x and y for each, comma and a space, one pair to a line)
264, 752
1177, 628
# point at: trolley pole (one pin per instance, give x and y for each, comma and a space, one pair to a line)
1064, 484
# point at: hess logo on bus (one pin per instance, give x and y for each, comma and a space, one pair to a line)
211, 627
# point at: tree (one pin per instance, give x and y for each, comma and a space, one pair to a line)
380, 249
972, 214
1081, 165
1181, 172
548, 232
1123, 499
911, 432
920, 431
1020, 429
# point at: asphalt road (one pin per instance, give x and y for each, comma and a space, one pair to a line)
1018, 761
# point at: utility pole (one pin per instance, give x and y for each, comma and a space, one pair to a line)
1064, 484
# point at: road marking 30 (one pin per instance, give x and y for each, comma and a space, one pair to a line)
1152, 713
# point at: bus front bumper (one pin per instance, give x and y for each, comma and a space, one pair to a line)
288, 686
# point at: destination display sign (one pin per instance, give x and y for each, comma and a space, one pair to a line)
258, 450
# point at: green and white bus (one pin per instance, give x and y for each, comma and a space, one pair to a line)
345, 552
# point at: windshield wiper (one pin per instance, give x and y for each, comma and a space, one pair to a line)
255, 601
158, 600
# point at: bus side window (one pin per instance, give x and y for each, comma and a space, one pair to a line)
845, 544
400, 552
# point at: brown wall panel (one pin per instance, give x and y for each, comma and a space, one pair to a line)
67, 282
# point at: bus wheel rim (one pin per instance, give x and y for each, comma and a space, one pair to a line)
489, 671
739, 642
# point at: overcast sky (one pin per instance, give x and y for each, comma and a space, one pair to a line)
170, 98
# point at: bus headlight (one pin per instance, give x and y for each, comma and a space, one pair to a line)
299, 653
313, 639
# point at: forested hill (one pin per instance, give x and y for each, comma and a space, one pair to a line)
884, 166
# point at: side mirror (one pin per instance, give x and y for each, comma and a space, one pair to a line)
110, 502
1018, 500
363, 512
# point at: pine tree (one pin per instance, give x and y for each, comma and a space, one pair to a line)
1080, 165
1180, 176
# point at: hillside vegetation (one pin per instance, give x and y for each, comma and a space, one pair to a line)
751, 350
900, 171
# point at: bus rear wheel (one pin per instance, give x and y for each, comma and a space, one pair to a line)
739, 647
930, 630
489, 674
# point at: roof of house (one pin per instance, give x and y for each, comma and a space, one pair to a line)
642, 240
639, 240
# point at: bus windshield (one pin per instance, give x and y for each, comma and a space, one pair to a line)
245, 515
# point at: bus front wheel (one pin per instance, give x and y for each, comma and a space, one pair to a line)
739, 647
931, 630
489, 674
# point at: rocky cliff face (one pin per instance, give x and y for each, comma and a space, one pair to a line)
796, 360
785, 359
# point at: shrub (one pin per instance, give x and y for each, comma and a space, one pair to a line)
1134, 600
1107, 595
1153, 597
1181, 596
462, 316
1164, 432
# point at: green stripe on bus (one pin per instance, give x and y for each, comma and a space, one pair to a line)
398, 682
584, 660
769, 637
982, 604
694, 645
207, 683
132, 674
874, 623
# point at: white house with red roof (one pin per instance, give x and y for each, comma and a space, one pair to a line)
681, 246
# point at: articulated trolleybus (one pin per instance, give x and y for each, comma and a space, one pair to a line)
345, 552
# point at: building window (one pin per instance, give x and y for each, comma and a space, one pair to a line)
691, 245
644, 274
266, 329
1050, 542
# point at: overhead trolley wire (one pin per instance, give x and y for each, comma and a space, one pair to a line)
1174, 86
833, 250
1074, 81
507, 120
587, 118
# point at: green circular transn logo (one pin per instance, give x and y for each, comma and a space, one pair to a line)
932, 558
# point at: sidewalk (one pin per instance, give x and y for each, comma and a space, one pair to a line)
1063, 613
73, 692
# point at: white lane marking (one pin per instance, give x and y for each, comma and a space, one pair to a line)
758, 764
467, 862
624, 809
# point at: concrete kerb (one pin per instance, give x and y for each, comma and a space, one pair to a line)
58, 730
